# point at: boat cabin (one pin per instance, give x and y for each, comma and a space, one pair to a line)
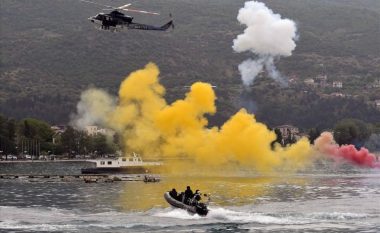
130, 161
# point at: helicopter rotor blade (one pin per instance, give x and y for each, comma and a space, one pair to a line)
124, 6
140, 11
98, 4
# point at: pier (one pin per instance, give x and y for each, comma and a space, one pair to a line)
87, 178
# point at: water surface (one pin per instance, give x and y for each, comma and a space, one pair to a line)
313, 202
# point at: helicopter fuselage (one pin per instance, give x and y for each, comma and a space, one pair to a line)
112, 19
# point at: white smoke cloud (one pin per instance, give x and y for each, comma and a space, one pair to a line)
268, 36
250, 68
274, 73
93, 108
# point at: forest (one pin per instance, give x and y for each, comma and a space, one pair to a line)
48, 59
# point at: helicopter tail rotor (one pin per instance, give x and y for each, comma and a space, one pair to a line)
171, 20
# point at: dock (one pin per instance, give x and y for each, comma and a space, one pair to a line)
87, 178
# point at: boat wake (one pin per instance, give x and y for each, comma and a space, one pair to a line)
27, 219
248, 215
226, 215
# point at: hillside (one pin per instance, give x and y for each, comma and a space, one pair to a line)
50, 52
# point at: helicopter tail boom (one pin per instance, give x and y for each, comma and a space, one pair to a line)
167, 25
150, 27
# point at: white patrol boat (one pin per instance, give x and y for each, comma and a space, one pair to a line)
130, 165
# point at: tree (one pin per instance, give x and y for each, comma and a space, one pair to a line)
7, 135
2, 124
100, 144
314, 133
373, 143
27, 132
84, 143
376, 128
278, 137
68, 140
37, 131
351, 131
10, 131
103, 144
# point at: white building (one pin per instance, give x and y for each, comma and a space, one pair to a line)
287, 129
93, 130
337, 84
376, 84
309, 82
377, 104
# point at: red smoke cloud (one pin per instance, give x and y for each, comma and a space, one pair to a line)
326, 145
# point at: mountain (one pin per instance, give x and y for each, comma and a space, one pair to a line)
50, 53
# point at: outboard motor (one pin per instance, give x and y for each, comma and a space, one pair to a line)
201, 209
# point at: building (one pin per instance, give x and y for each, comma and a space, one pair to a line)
57, 132
287, 129
58, 128
293, 79
377, 104
337, 94
93, 130
376, 84
289, 133
309, 82
322, 80
337, 84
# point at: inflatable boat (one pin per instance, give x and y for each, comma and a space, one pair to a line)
200, 208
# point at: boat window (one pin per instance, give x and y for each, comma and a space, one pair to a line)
124, 159
109, 162
102, 162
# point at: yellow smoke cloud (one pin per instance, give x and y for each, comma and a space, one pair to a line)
179, 132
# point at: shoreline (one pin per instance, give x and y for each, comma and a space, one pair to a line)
45, 161
87, 178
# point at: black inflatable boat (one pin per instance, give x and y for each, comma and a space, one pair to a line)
200, 208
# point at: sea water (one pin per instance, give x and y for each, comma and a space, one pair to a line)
317, 201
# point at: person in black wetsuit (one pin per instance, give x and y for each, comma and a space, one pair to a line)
173, 194
196, 198
180, 196
188, 195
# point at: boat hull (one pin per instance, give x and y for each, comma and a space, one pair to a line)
191, 209
116, 170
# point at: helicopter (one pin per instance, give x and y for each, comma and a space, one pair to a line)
116, 18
